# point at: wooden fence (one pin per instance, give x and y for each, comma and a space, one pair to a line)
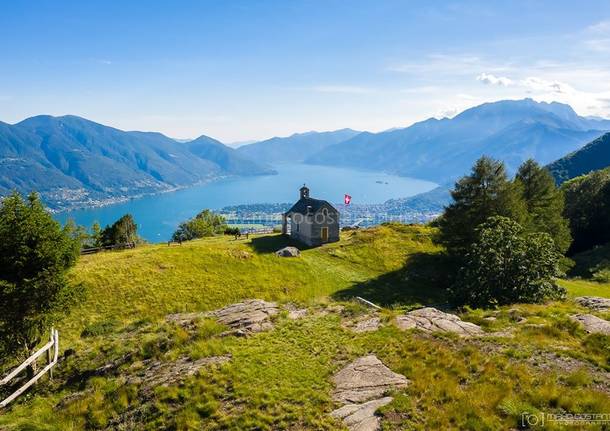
52, 351
108, 247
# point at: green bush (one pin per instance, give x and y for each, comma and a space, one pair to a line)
206, 223
504, 265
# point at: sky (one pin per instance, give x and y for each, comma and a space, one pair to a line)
249, 70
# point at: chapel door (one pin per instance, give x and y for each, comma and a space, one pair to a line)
324, 234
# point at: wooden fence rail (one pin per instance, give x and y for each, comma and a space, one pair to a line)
52, 356
121, 246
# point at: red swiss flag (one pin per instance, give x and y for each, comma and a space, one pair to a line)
347, 199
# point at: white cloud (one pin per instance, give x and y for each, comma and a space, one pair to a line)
437, 64
597, 37
539, 84
488, 78
345, 89
602, 27
531, 83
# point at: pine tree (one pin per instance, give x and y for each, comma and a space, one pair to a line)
35, 254
486, 192
545, 204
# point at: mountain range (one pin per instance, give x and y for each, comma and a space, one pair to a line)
73, 162
442, 150
295, 148
591, 157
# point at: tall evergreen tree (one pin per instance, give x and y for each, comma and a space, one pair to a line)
486, 192
35, 253
544, 203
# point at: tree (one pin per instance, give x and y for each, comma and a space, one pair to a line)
544, 203
123, 231
486, 192
206, 223
506, 265
587, 207
35, 253
95, 238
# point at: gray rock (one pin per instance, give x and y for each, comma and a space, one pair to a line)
296, 314
364, 379
592, 324
593, 302
432, 320
366, 324
288, 252
156, 373
186, 320
253, 315
361, 417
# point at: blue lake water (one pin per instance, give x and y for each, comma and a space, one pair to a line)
158, 216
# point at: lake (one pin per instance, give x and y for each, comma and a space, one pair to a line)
158, 215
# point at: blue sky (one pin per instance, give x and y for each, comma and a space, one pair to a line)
241, 70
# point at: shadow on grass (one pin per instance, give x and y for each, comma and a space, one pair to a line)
422, 280
272, 243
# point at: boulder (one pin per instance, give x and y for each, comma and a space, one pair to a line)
364, 379
432, 320
592, 324
361, 417
253, 315
593, 302
288, 252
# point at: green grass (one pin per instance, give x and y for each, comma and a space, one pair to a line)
281, 379
579, 287
152, 281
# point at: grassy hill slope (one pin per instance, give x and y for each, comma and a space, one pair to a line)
537, 361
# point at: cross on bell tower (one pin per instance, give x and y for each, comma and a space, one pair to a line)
304, 192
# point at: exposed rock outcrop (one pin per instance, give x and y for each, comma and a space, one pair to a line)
155, 373
361, 386
364, 324
432, 320
593, 302
295, 313
592, 324
253, 315
361, 417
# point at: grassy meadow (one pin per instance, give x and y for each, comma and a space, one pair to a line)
534, 360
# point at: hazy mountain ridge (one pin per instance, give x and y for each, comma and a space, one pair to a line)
591, 157
442, 150
294, 148
72, 161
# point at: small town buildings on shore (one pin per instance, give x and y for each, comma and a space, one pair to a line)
311, 221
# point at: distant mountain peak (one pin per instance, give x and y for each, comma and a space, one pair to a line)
442, 150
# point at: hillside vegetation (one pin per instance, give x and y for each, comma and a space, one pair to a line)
535, 359
593, 156
73, 161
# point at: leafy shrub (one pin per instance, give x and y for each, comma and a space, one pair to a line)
504, 266
232, 231
206, 223
124, 230
601, 273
